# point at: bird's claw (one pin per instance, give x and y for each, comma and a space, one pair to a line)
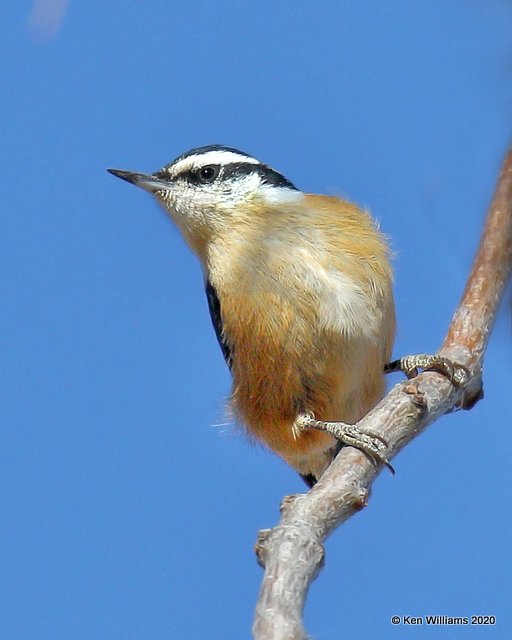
371, 444
457, 374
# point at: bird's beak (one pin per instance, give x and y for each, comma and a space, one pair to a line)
149, 182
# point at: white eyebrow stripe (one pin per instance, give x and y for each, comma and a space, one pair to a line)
211, 157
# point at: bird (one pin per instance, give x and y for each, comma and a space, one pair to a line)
300, 293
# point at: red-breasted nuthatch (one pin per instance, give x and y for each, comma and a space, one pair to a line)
299, 288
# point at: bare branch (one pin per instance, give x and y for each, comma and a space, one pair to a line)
292, 552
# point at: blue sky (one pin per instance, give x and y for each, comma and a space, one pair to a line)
126, 511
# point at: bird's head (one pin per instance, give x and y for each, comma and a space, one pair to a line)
208, 188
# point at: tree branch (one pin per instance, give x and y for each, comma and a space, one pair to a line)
292, 552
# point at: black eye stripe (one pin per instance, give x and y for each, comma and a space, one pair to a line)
235, 170
268, 175
200, 176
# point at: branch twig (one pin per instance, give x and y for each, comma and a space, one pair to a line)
292, 552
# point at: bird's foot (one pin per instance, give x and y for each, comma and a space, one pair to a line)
348, 434
457, 374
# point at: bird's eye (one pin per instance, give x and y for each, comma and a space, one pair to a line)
208, 173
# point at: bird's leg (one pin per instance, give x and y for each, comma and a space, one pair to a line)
348, 434
457, 374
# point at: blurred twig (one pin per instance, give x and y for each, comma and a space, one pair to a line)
292, 552
46, 17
